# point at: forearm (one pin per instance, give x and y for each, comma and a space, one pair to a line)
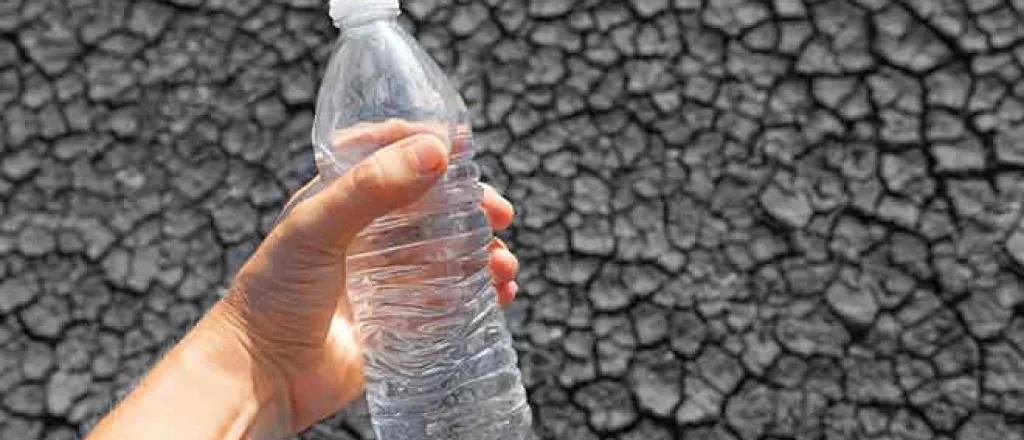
207, 387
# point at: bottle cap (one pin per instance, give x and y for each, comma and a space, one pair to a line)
341, 9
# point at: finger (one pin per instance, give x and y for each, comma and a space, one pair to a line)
507, 293
496, 244
383, 133
499, 210
390, 178
354, 144
503, 265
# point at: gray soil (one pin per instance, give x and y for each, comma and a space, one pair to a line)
739, 219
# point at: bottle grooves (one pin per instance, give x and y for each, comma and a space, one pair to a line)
424, 240
420, 333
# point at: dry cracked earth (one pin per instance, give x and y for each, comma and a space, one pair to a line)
739, 219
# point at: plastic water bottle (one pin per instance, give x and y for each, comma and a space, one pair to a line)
439, 358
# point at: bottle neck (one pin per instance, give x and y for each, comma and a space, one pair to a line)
356, 19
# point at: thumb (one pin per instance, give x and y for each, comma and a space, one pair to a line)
391, 178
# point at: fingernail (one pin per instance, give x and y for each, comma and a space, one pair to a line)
430, 152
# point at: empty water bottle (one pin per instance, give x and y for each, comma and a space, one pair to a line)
439, 358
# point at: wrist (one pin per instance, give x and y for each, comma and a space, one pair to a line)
224, 346
210, 386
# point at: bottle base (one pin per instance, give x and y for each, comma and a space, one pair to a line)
516, 425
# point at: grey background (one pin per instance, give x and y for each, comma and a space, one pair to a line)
738, 219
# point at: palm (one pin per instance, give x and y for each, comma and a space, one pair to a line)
333, 376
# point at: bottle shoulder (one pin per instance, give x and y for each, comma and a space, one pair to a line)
382, 63
379, 72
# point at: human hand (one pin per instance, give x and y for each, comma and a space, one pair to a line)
288, 305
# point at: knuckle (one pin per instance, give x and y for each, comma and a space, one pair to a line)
367, 177
296, 227
408, 154
395, 123
302, 237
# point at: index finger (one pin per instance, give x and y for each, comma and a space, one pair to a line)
384, 133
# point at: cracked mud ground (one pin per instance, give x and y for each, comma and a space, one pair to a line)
739, 219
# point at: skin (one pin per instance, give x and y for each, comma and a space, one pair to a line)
278, 353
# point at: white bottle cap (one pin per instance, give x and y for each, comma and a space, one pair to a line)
341, 9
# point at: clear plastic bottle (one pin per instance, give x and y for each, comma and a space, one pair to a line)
439, 362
